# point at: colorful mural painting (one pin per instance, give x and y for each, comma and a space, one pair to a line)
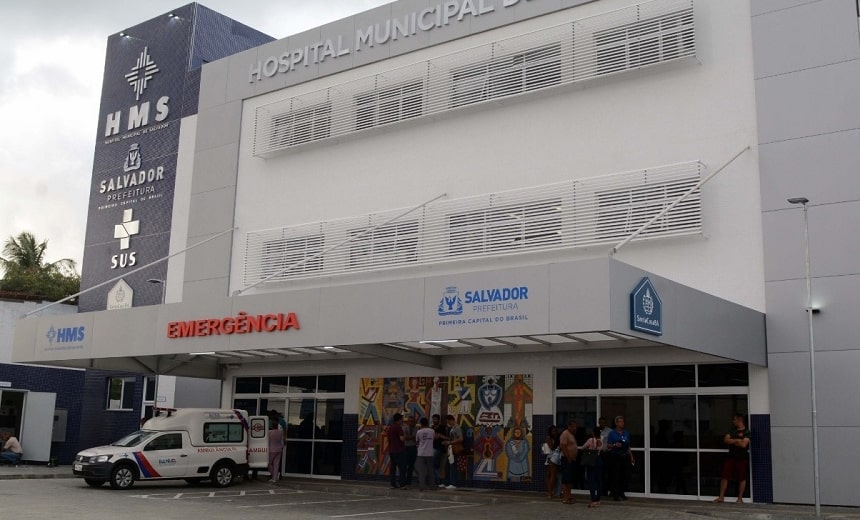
495, 412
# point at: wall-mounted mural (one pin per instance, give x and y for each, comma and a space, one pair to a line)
495, 412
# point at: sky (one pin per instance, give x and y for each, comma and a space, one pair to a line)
52, 56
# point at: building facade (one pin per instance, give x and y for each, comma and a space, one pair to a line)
513, 212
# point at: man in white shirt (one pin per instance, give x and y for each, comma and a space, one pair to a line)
11, 449
424, 464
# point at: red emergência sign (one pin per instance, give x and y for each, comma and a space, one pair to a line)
242, 323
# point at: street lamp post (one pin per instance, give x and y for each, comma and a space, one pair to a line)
163, 287
809, 311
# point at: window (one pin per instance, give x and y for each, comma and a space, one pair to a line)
313, 408
285, 252
389, 105
149, 384
170, 441
507, 75
223, 432
301, 125
393, 243
728, 374
645, 42
505, 229
622, 212
120, 393
622, 377
672, 376
576, 378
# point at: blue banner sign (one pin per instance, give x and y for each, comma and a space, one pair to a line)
646, 309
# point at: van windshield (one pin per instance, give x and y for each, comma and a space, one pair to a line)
133, 439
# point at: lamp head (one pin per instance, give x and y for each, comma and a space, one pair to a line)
798, 200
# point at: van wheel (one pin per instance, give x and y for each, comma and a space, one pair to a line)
122, 477
94, 482
222, 474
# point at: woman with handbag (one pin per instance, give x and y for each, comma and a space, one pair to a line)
593, 465
553, 483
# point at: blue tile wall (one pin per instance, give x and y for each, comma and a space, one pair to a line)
762, 462
100, 426
69, 387
350, 446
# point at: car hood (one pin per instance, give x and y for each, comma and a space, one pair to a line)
105, 450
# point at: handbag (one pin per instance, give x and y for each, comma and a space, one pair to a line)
555, 457
589, 458
545, 449
458, 449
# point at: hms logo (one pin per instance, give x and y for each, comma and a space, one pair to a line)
141, 73
65, 335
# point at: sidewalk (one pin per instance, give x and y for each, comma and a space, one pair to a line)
34, 471
635, 508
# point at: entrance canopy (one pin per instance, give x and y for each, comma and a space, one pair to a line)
579, 305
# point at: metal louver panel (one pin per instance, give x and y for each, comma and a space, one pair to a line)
554, 217
643, 35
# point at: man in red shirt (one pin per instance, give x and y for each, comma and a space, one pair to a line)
397, 452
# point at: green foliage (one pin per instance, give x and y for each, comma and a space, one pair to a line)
26, 273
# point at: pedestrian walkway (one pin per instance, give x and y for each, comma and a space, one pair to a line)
25, 470
635, 508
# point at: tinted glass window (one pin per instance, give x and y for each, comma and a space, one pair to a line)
303, 384
674, 376
331, 384
223, 432
249, 405
734, 374
674, 417
247, 385
623, 377
576, 378
275, 385
171, 441
715, 418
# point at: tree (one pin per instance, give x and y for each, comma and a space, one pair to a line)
26, 273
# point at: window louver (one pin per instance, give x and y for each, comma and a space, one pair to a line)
554, 217
639, 36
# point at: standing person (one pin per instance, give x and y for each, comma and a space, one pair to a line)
604, 437
620, 459
396, 451
737, 460
11, 449
567, 442
594, 473
424, 438
411, 453
438, 455
553, 483
454, 445
276, 449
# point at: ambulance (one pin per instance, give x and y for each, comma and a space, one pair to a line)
191, 444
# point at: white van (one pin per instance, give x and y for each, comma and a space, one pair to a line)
193, 444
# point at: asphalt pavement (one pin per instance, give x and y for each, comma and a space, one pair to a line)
634, 509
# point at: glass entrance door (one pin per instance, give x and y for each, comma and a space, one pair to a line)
632, 408
314, 437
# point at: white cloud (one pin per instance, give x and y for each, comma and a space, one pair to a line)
53, 61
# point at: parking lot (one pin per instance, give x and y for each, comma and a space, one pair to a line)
68, 498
